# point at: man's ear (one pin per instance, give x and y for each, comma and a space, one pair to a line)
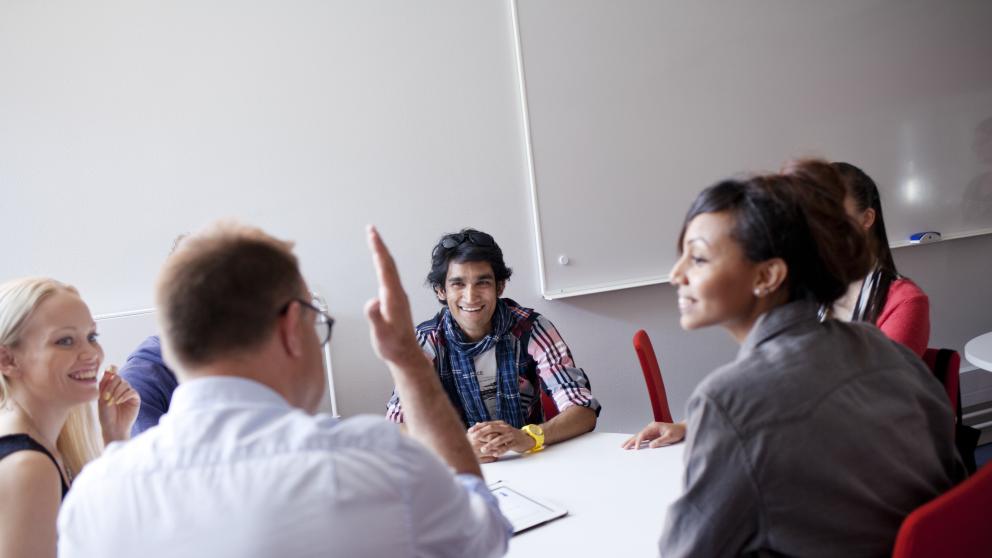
771, 275
499, 288
441, 295
290, 332
8, 362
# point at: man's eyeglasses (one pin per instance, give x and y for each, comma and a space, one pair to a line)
475, 237
323, 323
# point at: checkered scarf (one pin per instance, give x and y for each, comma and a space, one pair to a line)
461, 361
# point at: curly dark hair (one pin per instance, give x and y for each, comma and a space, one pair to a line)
466, 245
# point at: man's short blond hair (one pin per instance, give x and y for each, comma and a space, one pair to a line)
222, 290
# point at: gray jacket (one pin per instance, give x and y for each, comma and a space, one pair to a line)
817, 441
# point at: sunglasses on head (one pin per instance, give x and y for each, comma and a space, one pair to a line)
475, 237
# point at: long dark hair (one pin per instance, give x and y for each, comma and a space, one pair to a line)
864, 192
795, 219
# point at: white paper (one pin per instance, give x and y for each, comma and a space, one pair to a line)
522, 511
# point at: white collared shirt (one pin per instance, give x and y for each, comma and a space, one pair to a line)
234, 471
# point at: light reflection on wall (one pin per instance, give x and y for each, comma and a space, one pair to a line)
912, 190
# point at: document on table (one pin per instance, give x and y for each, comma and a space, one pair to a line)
522, 511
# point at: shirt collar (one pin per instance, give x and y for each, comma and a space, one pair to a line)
777, 320
223, 391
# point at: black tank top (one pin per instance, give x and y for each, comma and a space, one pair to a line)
13, 443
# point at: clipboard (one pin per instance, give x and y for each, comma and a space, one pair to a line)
522, 511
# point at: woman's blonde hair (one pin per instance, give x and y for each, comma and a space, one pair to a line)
80, 440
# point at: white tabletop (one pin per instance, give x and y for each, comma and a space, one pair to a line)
616, 499
978, 351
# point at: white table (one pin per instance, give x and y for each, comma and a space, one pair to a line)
978, 351
616, 499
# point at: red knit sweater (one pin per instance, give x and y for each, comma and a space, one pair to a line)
906, 316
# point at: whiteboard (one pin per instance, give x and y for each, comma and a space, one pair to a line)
632, 107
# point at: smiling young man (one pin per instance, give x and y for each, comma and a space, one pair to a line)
495, 357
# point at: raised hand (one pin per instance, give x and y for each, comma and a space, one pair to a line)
117, 407
390, 321
430, 418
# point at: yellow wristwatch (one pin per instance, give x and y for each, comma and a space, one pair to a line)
534, 431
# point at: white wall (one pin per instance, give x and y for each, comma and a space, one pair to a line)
419, 130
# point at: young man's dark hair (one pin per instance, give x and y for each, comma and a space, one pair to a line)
467, 245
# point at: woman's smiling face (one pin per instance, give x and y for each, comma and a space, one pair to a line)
58, 356
714, 277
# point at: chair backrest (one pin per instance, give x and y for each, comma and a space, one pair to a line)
953, 524
548, 406
946, 366
652, 376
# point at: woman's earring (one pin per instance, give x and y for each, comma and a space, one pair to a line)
758, 292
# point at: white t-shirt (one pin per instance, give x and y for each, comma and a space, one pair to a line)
486, 374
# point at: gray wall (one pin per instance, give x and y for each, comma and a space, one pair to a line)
957, 275
111, 145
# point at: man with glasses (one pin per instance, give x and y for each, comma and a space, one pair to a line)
241, 467
495, 358
151, 377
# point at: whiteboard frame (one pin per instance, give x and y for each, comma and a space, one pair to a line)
661, 279
529, 151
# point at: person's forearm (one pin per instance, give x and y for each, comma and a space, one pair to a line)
429, 416
570, 423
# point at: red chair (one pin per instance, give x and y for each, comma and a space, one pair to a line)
548, 406
946, 365
652, 376
953, 524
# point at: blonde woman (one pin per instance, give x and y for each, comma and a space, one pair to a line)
49, 358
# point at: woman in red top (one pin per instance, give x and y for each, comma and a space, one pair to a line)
893, 303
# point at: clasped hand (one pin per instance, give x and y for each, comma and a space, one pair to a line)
492, 439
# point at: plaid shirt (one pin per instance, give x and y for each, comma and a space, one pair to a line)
549, 367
